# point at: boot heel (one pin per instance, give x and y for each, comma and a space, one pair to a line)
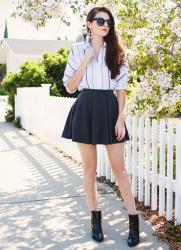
133, 238
97, 233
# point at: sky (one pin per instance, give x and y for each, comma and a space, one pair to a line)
17, 28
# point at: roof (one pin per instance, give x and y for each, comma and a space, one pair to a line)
25, 46
31, 47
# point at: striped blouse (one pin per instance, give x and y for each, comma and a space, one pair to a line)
97, 75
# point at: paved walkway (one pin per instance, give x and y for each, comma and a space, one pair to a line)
42, 203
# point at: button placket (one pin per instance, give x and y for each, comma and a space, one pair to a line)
98, 69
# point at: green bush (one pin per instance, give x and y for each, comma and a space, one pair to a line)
54, 65
17, 122
2, 71
31, 74
50, 70
9, 117
153, 50
2, 91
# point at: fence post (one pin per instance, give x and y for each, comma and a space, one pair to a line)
147, 161
154, 172
141, 158
169, 186
178, 176
134, 159
162, 141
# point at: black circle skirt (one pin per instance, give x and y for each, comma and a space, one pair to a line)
92, 118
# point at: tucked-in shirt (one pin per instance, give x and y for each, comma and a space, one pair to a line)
97, 74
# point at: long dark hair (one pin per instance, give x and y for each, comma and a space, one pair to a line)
115, 53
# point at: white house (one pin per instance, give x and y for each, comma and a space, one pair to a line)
14, 52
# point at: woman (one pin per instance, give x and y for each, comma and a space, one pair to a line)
97, 68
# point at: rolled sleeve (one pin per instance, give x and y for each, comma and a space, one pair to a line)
121, 80
71, 67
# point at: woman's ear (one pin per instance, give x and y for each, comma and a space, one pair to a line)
88, 24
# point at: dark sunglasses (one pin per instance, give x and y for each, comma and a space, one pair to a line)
101, 21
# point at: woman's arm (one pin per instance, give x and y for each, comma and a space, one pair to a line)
119, 127
121, 96
74, 80
121, 86
75, 69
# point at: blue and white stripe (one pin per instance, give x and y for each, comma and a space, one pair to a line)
97, 75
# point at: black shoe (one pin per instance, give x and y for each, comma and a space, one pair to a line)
97, 233
133, 238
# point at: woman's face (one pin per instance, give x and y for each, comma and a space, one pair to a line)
99, 30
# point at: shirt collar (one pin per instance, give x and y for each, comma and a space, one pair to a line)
87, 44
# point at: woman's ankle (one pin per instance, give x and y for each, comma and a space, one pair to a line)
133, 212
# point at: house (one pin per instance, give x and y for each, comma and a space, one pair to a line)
14, 52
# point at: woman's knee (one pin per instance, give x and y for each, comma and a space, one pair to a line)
119, 170
88, 155
90, 170
88, 152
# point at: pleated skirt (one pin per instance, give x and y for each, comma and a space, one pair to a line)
92, 118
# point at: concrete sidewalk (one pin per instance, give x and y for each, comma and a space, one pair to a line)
42, 203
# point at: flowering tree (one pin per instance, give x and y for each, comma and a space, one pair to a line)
151, 30
38, 12
156, 94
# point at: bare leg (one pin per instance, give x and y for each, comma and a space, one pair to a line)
116, 157
88, 155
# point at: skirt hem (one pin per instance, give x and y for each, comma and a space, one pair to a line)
92, 118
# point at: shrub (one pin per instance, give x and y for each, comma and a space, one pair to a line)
54, 65
9, 117
50, 70
17, 122
31, 74
2, 71
2, 91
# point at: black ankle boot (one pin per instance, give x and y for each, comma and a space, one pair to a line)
133, 238
97, 233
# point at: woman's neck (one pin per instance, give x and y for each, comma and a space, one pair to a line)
96, 42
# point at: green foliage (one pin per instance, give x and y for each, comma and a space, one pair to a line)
49, 71
173, 231
9, 117
54, 66
31, 74
2, 91
150, 31
2, 71
17, 122
11, 82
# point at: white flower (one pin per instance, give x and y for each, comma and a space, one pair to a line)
175, 26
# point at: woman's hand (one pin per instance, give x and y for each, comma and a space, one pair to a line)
120, 128
87, 57
90, 53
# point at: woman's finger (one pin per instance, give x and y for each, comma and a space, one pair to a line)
116, 130
121, 133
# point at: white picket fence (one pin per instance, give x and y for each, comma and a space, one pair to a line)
152, 156
153, 160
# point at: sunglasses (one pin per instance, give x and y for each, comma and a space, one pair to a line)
101, 21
